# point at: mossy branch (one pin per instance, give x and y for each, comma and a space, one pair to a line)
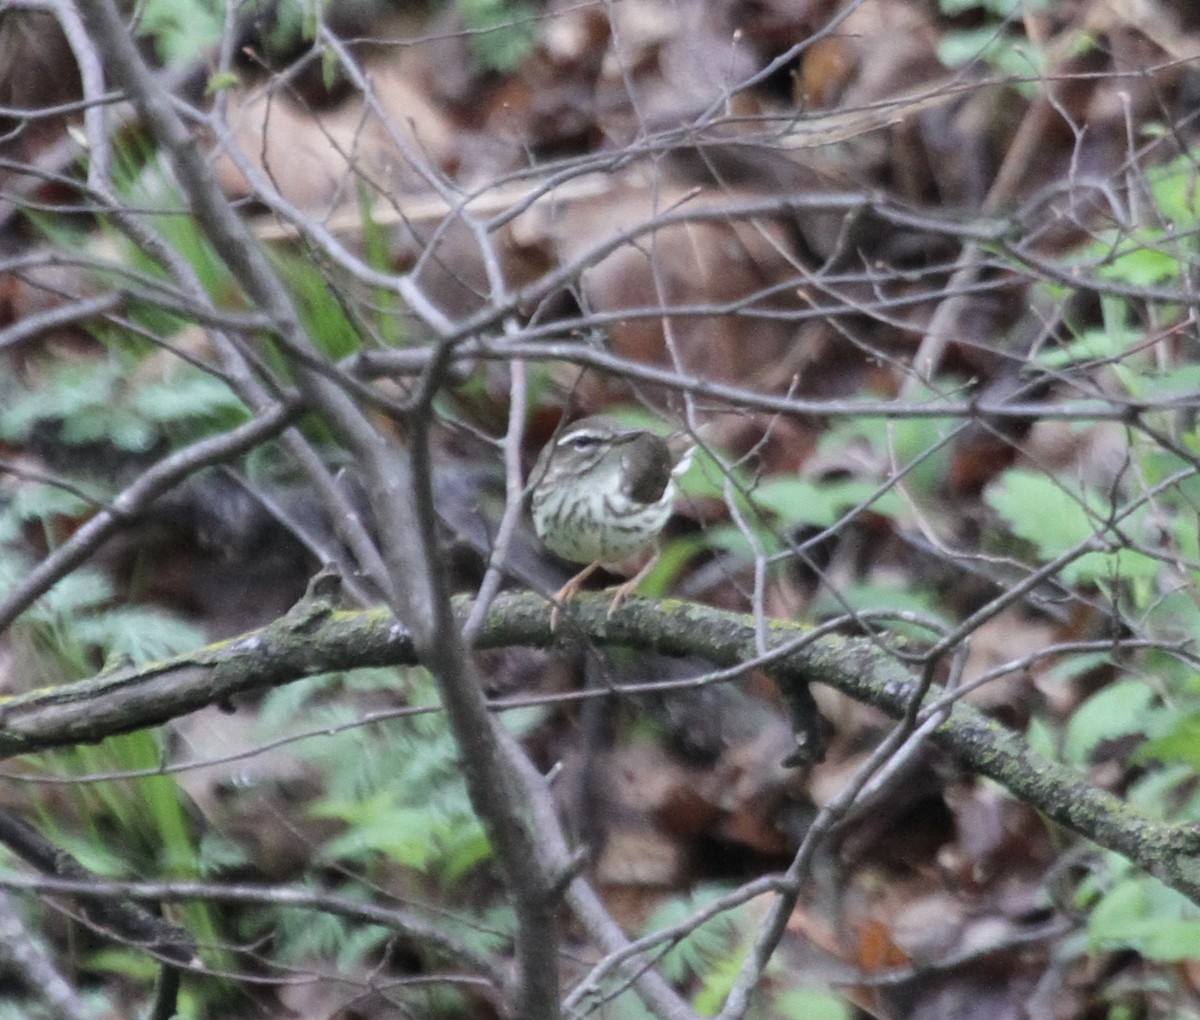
317, 638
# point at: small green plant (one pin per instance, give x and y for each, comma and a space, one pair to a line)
397, 791
404, 799
1132, 528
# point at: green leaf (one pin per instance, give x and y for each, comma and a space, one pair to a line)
1175, 189
674, 557
888, 596
729, 538
325, 316
138, 634
1142, 914
920, 448
1167, 792
1117, 710
1099, 344
400, 834
502, 32
1041, 511
1181, 380
329, 68
960, 47
307, 934
1144, 266
68, 391
188, 394
1072, 667
132, 964
398, 786
221, 81
697, 952
182, 31
74, 594
112, 424
801, 501
1041, 737
42, 502
807, 1004
471, 849
1180, 743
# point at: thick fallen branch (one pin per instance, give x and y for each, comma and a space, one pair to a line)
316, 638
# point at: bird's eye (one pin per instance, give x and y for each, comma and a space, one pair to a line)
583, 441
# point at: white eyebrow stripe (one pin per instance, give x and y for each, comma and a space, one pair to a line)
582, 433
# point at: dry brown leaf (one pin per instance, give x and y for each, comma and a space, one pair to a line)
318, 159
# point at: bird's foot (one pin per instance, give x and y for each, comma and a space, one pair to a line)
622, 591
567, 592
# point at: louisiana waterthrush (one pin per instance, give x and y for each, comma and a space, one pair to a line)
603, 493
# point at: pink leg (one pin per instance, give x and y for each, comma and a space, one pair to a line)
627, 588
569, 590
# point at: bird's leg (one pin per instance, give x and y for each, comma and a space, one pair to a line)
569, 590
626, 588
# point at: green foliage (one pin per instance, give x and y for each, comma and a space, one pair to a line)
138, 634
808, 1004
303, 934
671, 564
433, 1001
397, 789
221, 81
1118, 710
42, 503
1001, 9
130, 828
84, 398
788, 504
99, 401
121, 828
145, 815
182, 30
219, 855
502, 32
1107, 342
188, 402
1057, 519
77, 626
35, 1006
707, 960
325, 319
994, 39
694, 954
1180, 742
796, 500
891, 596
1045, 513
388, 311
397, 786
1156, 250
706, 954
997, 48
1140, 522
1140, 913
286, 23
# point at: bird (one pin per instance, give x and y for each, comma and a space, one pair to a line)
602, 493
